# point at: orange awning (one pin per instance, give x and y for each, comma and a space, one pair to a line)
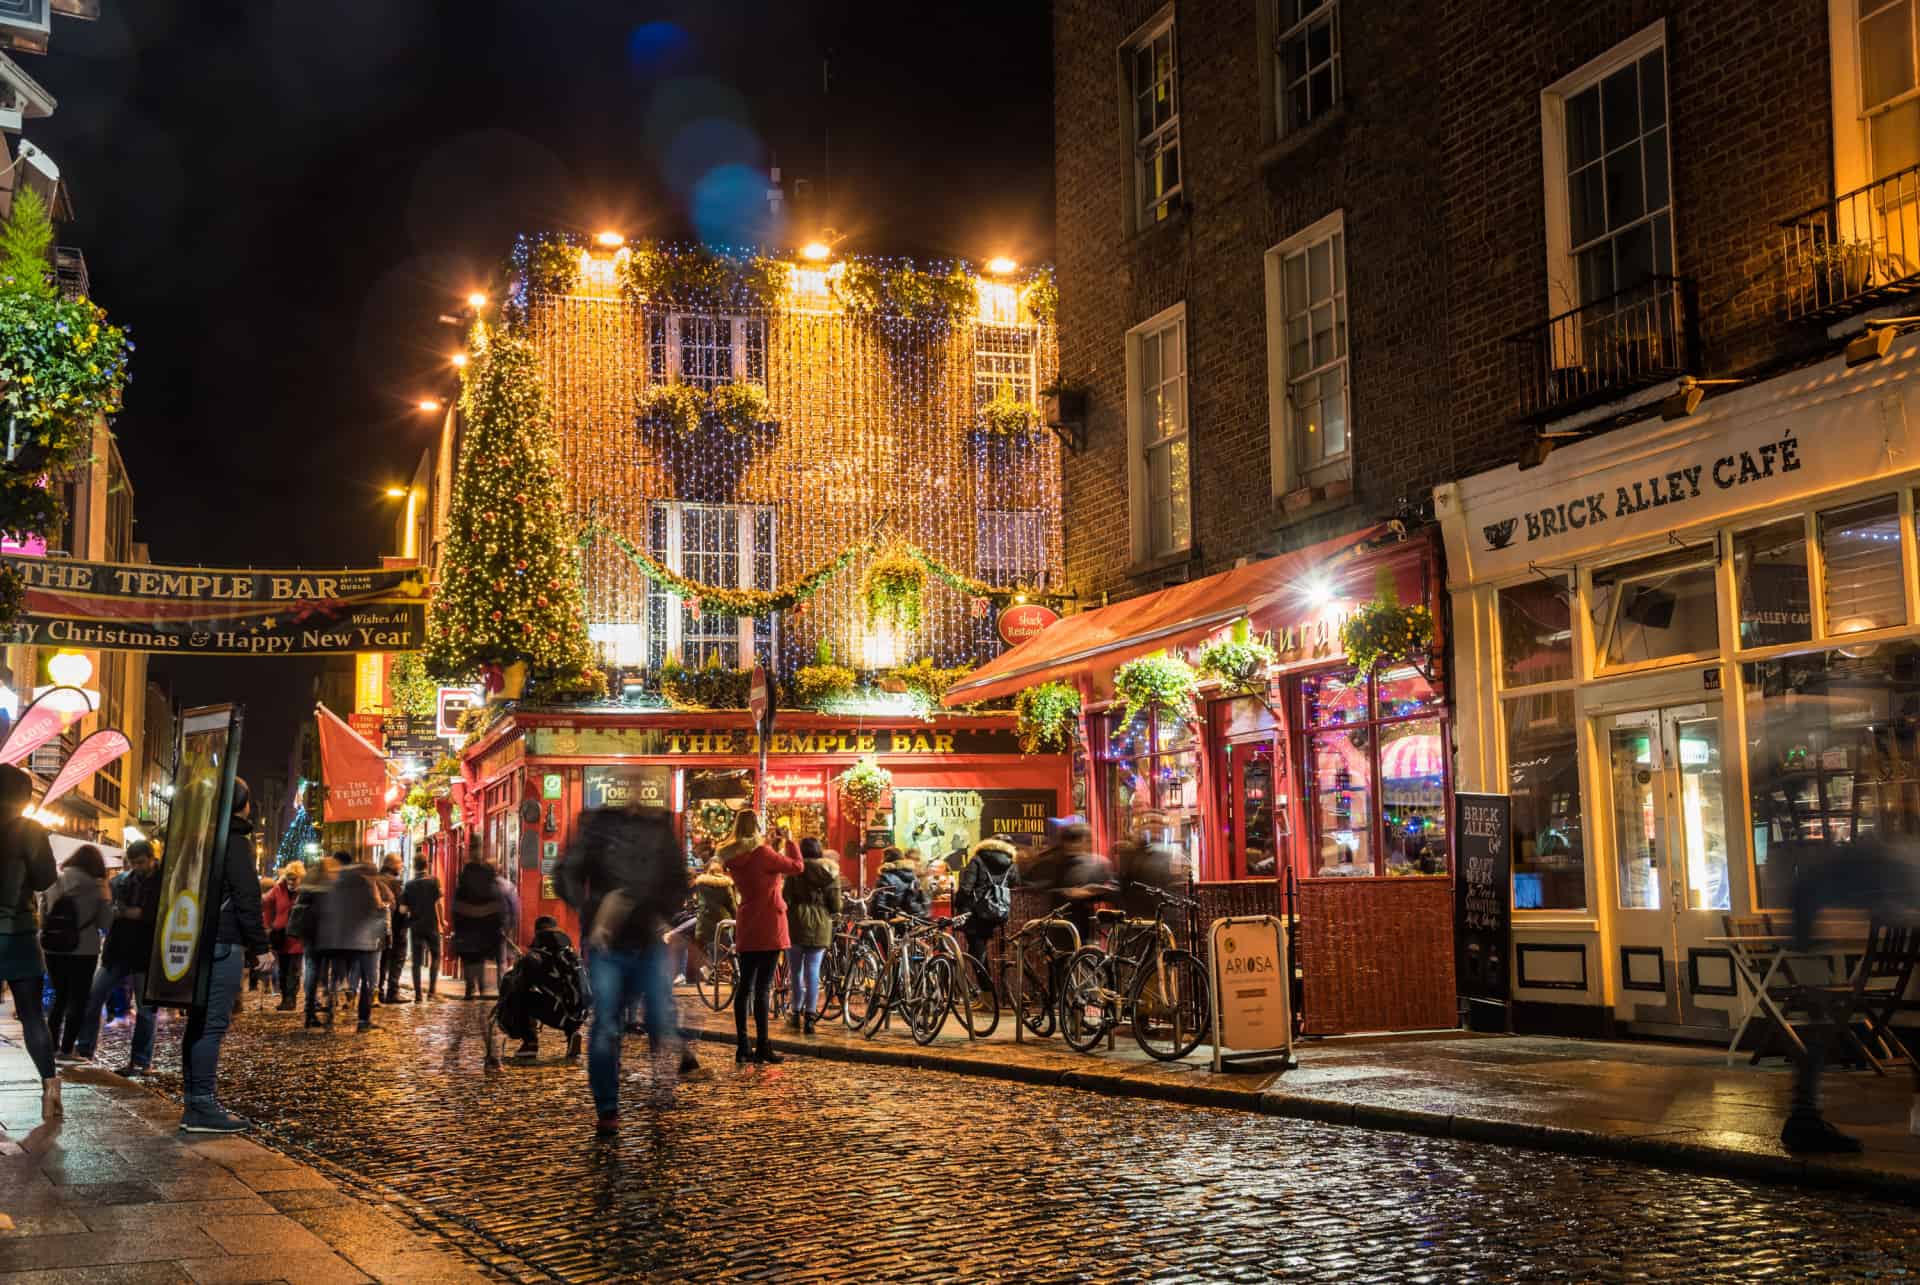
1178, 616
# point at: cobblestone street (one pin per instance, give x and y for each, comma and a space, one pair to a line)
818, 1169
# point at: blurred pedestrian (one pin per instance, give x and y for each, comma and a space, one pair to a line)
426, 925
136, 904
716, 899
26, 868
760, 925
74, 913
393, 959
985, 894
624, 876
239, 941
1145, 860
509, 918
1074, 873
287, 949
353, 929
479, 915
813, 901
303, 925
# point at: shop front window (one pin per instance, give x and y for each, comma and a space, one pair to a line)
1151, 765
1833, 758
1543, 780
1536, 633
1656, 607
1860, 546
1770, 563
1376, 754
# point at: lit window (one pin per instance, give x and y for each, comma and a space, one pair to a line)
706, 350
1159, 471
1003, 363
1152, 85
1312, 311
1309, 60
725, 545
1889, 92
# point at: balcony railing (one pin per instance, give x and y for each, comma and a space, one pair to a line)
1604, 350
70, 272
1856, 252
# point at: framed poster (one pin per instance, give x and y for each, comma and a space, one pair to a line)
205, 756
945, 824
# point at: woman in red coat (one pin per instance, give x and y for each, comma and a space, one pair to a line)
759, 926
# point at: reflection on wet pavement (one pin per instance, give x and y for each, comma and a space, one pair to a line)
823, 1169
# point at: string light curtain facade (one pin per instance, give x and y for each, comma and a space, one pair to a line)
873, 425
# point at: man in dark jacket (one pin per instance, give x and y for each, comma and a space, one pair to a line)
1146, 861
624, 876
896, 890
136, 904
238, 944
1074, 873
985, 894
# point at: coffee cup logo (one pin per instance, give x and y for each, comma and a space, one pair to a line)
1500, 534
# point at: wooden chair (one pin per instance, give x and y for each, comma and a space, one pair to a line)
1862, 1009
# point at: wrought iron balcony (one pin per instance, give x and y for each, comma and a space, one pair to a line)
1604, 350
1856, 252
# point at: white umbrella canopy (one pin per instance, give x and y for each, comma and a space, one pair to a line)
64, 847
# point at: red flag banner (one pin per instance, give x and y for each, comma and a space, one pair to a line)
354, 771
88, 757
57, 709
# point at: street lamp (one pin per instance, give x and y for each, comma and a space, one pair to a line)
1000, 265
476, 300
459, 361
428, 405
612, 240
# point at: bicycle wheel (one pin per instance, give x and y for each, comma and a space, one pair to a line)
782, 997
716, 992
866, 978
833, 981
1036, 988
1088, 1009
974, 1000
929, 998
1170, 1006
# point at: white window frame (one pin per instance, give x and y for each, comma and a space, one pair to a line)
1149, 209
1138, 500
1852, 154
1329, 10
673, 322
992, 345
1563, 285
1287, 472
675, 559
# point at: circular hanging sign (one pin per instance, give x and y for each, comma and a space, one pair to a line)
530, 811
1017, 624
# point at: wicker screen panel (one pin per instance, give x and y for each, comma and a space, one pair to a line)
1377, 955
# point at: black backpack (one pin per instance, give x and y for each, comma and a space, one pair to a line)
989, 899
60, 930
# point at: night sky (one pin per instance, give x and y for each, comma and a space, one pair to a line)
278, 197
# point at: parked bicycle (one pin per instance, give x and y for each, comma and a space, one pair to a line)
1039, 948
1141, 974
975, 1001
723, 971
912, 975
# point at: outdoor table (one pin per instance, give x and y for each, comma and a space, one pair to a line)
1776, 951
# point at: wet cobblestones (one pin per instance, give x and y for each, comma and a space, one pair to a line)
818, 1169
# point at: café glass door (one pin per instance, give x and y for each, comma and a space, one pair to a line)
1672, 883
1256, 807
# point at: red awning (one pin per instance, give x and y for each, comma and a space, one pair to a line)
1178, 616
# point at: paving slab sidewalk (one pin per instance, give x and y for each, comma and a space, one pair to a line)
116, 1193
1680, 1106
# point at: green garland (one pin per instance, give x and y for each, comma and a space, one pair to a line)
1046, 716
723, 601
1160, 683
712, 686
816, 686
715, 820
927, 682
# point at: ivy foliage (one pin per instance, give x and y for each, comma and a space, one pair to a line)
1045, 717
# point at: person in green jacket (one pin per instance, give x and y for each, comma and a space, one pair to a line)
813, 900
715, 899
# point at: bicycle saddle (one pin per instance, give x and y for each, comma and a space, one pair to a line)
1110, 916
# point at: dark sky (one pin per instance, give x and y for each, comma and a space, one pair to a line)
279, 196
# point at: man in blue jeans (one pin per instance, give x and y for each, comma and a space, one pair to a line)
238, 944
623, 874
136, 901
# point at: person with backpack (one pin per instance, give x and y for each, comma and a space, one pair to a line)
287, 949
479, 925
985, 894
136, 906
813, 899
78, 908
26, 869
547, 987
897, 889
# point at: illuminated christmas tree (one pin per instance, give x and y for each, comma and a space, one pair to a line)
510, 588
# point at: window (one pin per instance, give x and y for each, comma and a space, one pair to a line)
716, 544
1609, 202
1151, 765
1770, 565
1307, 341
1543, 780
1003, 363
1656, 607
705, 350
1309, 60
1536, 633
1889, 92
1375, 751
1153, 91
1860, 548
1159, 470
1011, 545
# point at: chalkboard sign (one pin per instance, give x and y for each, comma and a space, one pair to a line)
1482, 906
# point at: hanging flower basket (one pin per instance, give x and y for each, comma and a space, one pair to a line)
864, 784
816, 686
678, 408
1160, 684
1238, 661
1383, 632
1046, 716
739, 407
893, 586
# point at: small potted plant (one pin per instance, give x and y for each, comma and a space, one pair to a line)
823, 682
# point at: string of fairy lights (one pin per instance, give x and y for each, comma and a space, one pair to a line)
873, 425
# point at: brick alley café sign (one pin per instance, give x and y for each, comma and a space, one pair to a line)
112, 606
836, 742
